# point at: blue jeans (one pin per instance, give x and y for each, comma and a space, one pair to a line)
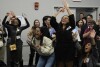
46, 61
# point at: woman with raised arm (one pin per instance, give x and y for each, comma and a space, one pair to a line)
14, 42
64, 49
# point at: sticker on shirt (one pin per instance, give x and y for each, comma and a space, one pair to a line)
87, 60
68, 28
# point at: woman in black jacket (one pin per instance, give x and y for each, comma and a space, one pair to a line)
64, 49
89, 56
14, 37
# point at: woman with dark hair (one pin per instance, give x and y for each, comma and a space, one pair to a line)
79, 24
46, 24
65, 48
30, 36
43, 45
14, 42
89, 56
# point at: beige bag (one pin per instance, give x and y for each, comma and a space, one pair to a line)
13, 47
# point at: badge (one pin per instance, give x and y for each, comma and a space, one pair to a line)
87, 60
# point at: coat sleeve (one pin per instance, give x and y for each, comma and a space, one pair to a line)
47, 47
54, 23
72, 21
27, 25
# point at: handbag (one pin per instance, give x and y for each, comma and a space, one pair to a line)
13, 47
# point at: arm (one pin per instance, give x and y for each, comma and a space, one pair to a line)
27, 25
67, 7
86, 34
71, 16
4, 21
60, 10
72, 21
54, 23
19, 22
4, 32
92, 36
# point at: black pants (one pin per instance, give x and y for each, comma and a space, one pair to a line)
31, 56
14, 58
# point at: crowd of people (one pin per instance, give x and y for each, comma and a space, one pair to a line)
54, 44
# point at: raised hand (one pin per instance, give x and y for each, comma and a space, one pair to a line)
66, 5
12, 13
62, 9
92, 33
24, 15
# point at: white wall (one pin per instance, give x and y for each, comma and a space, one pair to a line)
46, 8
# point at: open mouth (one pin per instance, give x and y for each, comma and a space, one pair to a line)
86, 49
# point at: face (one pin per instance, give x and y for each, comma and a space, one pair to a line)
89, 18
37, 23
37, 33
88, 47
64, 20
81, 16
90, 25
80, 23
84, 21
48, 22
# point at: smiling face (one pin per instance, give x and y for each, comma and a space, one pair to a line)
81, 15
47, 22
80, 23
88, 48
38, 33
65, 20
36, 23
89, 18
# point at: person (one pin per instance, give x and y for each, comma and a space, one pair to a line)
39, 41
85, 26
79, 24
98, 38
81, 16
14, 42
30, 36
52, 32
2, 41
64, 49
77, 40
89, 57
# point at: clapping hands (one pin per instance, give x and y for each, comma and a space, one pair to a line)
10, 14
92, 33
